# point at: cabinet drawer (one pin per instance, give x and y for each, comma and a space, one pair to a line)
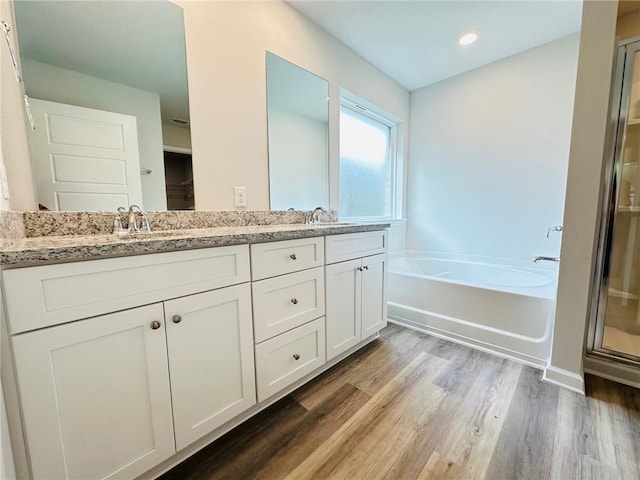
286, 302
355, 245
286, 358
48, 295
279, 258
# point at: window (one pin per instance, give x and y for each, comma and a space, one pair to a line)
367, 163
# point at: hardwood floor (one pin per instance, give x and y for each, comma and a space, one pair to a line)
411, 406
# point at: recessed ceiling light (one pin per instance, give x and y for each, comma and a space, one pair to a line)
468, 38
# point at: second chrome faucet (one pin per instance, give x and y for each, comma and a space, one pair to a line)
132, 224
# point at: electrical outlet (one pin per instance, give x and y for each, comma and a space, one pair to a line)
240, 196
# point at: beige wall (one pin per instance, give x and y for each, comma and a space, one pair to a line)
590, 119
13, 124
175, 136
628, 25
226, 43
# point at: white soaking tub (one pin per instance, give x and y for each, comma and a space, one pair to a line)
502, 309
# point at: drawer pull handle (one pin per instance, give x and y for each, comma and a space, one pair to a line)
176, 318
293, 256
294, 301
155, 325
296, 356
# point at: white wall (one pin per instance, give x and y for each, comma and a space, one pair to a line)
488, 156
588, 138
226, 44
13, 123
298, 161
48, 82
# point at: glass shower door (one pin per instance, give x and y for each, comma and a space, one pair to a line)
618, 317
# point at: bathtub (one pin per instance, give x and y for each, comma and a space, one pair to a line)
505, 310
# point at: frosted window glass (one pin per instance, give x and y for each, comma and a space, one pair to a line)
366, 167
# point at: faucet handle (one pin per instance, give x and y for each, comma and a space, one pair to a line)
118, 229
133, 225
145, 226
557, 228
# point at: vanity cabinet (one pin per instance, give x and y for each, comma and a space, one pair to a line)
355, 289
95, 395
114, 395
125, 365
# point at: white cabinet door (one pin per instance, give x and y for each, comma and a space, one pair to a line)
343, 306
374, 298
84, 159
210, 344
95, 396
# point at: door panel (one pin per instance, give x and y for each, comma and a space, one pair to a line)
210, 359
84, 159
343, 306
374, 294
620, 325
95, 396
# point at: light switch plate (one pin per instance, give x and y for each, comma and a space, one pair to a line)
240, 196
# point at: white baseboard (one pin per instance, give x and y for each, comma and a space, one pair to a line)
616, 372
468, 342
564, 378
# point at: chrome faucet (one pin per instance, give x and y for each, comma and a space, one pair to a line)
145, 227
557, 228
314, 216
118, 229
546, 259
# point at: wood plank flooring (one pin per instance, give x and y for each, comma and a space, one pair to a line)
411, 406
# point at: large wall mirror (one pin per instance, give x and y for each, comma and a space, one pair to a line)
297, 109
108, 89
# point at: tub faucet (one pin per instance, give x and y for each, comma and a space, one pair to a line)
314, 216
546, 259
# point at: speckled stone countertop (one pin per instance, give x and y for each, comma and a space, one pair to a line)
30, 251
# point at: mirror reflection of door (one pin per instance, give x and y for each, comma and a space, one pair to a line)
84, 159
71, 54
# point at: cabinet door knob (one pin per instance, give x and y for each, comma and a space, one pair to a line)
293, 256
296, 356
359, 269
155, 325
294, 301
366, 267
176, 318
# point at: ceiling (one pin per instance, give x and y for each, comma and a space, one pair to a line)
415, 42
136, 43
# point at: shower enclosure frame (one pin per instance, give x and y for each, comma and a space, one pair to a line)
619, 115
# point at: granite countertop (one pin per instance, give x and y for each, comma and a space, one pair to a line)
44, 250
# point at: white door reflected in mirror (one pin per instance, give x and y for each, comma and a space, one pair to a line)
84, 159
